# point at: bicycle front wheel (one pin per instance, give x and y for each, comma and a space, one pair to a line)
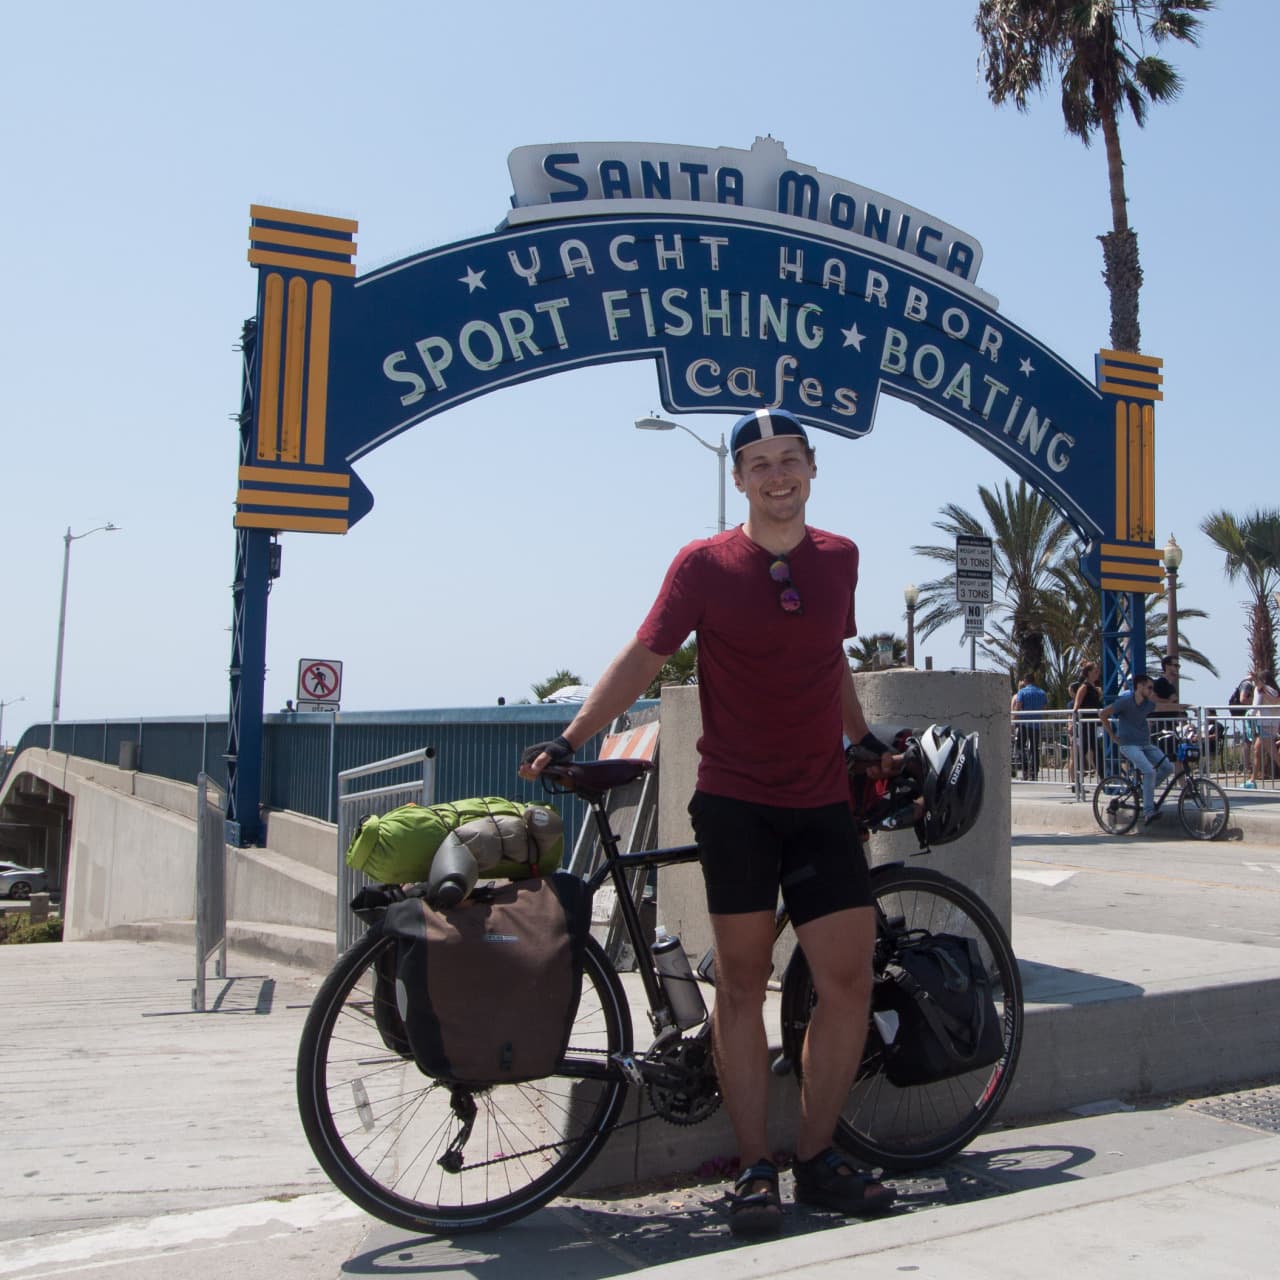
1203, 808
918, 1126
432, 1157
1117, 804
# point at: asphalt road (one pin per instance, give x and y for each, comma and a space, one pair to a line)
1222, 890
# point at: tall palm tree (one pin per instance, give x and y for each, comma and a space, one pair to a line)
1029, 537
1102, 72
1251, 545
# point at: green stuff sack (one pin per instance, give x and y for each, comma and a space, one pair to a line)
510, 840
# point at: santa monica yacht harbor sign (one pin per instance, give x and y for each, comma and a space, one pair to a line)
749, 279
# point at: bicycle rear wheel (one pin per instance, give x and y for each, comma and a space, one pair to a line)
1203, 808
1117, 804
918, 1126
431, 1157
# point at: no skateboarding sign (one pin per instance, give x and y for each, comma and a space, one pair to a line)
319, 684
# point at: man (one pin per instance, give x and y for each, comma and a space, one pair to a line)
1029, 700
1165, 686
1130, 713
772, 602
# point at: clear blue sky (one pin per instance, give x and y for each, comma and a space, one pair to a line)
529, 529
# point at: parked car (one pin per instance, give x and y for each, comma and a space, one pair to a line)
21, 882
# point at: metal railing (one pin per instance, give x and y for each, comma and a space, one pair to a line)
1069, 748
211, 885
418, 787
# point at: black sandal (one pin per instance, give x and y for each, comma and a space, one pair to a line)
830, 1180
756, 1213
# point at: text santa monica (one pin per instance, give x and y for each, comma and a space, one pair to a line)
762, 178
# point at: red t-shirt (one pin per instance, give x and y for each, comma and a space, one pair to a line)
769, 681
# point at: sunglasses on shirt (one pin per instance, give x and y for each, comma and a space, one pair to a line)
788, 597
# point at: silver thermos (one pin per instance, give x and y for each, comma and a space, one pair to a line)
678, 982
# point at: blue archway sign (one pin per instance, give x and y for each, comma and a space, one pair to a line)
748, 279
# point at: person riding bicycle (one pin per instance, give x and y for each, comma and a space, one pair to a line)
1130, 713
772, 602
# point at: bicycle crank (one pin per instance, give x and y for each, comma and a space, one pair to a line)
683, 1088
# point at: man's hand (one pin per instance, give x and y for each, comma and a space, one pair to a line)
536, 758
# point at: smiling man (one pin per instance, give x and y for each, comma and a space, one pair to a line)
771, 603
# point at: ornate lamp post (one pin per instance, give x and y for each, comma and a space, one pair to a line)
1172, 559
721, 451
911, 595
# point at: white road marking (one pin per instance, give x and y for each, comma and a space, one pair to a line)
1041, 877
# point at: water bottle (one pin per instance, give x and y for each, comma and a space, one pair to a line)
678, 982
453, 873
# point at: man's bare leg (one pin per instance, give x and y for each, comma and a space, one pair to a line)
744, 947
838, 948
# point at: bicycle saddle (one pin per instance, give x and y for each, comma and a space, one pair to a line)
595, 777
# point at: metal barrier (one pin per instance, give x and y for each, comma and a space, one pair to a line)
355, 806
1237, 752
211, 885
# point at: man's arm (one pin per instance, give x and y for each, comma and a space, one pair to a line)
855, 723
1104, 718
625, 679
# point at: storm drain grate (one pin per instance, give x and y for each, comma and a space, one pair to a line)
1257, 1108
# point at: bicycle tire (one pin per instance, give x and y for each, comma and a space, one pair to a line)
379, 1126
1117, 804
919, 1126
1203, 808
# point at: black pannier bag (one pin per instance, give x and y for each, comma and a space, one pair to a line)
946, 1018
488, 989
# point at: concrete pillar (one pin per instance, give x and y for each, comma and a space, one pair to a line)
969, 701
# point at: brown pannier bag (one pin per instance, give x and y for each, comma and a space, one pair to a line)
488, 990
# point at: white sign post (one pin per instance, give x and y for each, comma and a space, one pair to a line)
974, 588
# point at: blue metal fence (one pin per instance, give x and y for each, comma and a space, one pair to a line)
477, 750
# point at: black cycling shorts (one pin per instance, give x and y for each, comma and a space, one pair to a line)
751, 851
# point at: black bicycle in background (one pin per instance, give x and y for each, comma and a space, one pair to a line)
1203, 808
430, 1156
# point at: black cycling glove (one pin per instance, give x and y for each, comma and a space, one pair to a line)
558, 749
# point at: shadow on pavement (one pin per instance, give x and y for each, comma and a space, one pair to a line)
598, 1238
1051, 984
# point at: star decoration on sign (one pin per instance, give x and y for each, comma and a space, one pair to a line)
852, 338
1025, 366
473, 280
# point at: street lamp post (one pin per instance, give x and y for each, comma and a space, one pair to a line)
1172, 559
68, 539
911, 595
2, 707
721, 451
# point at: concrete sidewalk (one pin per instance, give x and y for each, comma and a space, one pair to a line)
146, 1141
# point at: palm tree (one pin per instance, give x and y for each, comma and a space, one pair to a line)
1102, 73
1073, 629
1252, 548
680, 668
562, 678
1029, 537
864, 652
